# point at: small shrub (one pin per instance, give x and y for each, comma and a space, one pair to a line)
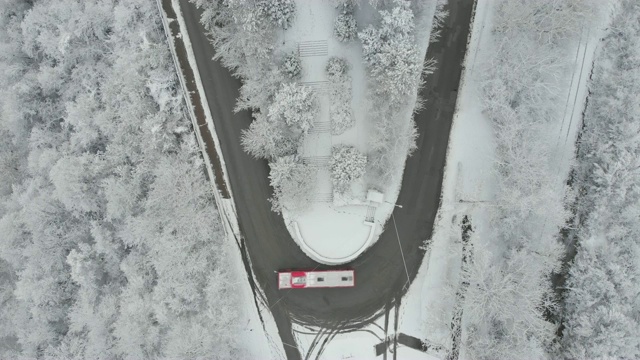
342, 118
347, 165
336, 68
345, 28
292, 66
346, 5
340, 110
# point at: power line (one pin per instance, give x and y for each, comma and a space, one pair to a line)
399, 244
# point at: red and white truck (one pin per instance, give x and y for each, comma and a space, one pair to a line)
316, 279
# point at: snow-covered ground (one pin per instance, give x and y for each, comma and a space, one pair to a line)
336, 229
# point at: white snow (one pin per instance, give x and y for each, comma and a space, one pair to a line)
345, 235
334, 231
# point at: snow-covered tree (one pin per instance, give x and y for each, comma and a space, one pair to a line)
440, 14
439, 18
394, 67
546, 18
337, 68
295, 105
343, 5
504, 306
291, 65
280, 12
602, 301
268, 139
342, 118
244, 33
293, 184
345, 28
74, 187
390, 52
257, 93
99, 249
340, 110
347, 165
391, 141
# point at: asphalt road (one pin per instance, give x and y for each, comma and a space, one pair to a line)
380, 273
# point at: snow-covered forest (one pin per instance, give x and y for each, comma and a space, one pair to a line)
515, 306
602, 306
523, 92
110, 241
110, 244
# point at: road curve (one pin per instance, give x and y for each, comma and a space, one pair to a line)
380, 273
